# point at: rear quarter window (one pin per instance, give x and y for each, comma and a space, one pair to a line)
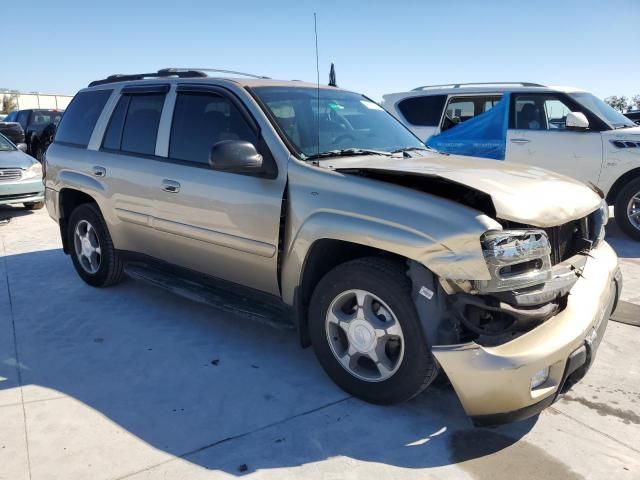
423, 111
80, 118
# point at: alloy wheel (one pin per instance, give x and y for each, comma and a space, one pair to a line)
87, 246
633, 210
364, 335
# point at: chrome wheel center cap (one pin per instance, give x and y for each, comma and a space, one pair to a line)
87, 248
361, 335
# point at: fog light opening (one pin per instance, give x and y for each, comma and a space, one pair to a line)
539, 378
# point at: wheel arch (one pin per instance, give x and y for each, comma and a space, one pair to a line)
619, 184
68, 200
322, 256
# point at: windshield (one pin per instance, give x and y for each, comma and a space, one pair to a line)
612, 117
5, 145
347, 121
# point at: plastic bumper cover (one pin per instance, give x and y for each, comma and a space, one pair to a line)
494, 383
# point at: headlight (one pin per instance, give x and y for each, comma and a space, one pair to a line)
516, 259
34, 171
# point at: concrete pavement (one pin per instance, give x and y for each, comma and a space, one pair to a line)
132, 382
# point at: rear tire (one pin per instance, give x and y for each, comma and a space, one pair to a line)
33, 205
381, 289
627, 209
94, 257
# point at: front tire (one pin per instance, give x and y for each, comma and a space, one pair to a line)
95, 259
366, 332
627, 209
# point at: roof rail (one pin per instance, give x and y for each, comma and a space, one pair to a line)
164, 73
217, 70
169, 72
459, 85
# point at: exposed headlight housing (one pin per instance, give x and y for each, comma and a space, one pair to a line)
516, 259
34, 171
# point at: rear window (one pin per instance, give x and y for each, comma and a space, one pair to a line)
423, 111
80, 118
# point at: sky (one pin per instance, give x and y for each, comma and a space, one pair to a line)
378, 46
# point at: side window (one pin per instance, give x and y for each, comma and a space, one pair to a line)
202, 119
461, 109
556, 113
423, 111
11, 117
80, 118
113, 135
23, 118
539, 112
141, 124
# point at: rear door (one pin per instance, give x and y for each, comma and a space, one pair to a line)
219, 223
461, 108
538, 136
125, 163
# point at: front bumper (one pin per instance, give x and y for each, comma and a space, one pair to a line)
22, 191
494, 383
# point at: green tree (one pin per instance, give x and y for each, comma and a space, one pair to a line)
619, 103
635, 102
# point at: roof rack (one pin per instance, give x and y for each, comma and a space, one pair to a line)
168, 72
484, 84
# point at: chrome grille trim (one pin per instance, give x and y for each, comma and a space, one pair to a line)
10, 174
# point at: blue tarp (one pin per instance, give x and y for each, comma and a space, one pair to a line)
483, 136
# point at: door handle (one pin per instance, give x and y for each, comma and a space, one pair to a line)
520, 141
98, 171
170, 186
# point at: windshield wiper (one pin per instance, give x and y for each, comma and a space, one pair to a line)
409, 149
348, 152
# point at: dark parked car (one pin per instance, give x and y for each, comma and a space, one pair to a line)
633, 115
39, 127
13, 131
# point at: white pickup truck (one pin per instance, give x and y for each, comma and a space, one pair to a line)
564, 129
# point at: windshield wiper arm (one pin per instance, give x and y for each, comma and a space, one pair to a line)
409, 149
348, 152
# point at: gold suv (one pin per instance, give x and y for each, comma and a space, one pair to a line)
394, 261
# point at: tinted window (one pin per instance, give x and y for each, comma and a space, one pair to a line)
200, 120
141, 124
113, 135
23, 118
423, 111
81, 116
11, 117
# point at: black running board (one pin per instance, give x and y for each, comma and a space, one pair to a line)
222, 296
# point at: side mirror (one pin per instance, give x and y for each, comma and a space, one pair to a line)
577, 121
235, 156
22, 147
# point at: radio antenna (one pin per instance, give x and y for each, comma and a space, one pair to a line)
315, 27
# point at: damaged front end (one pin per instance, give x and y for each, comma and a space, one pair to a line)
511, 343
531, 271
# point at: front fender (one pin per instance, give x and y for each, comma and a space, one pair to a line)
455, 257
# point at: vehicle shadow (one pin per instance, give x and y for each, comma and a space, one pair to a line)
219, 391
9, 211
625, 246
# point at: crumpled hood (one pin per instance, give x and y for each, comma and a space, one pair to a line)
520, 193
15, 159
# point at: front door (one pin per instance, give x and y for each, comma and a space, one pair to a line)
219, 223
538, 136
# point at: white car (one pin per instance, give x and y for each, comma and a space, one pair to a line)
564, 129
